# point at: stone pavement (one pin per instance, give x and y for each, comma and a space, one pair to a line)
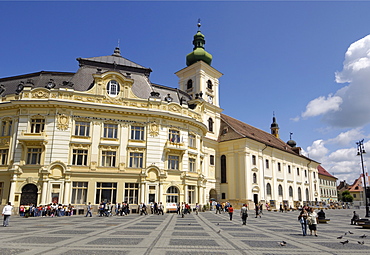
206, 233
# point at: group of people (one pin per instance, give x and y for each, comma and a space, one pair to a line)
108, 209
155, 208
308, 217
49, 210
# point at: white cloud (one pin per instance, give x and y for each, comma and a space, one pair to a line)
317, 150
346, 138
350, 105
322, 105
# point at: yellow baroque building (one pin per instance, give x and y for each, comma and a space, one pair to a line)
107, 133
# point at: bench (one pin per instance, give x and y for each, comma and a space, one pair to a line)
361, 222
366, 225
323, 221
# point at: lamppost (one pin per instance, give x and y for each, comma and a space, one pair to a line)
360, 151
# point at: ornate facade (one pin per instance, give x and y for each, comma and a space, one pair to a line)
108, 133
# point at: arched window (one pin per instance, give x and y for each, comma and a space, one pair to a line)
280, 190
209, 84
172, 194
112, 88
299, 194
307, 195
189, 85
290, 191
268, 189
210, 125
254, 178
223, 169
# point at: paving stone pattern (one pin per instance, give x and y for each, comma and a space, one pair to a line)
204, 234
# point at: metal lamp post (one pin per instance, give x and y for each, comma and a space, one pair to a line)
360, 152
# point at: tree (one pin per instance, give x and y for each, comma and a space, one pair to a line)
346, 196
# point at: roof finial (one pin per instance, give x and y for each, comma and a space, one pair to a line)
199, 25
117, 51
290, 135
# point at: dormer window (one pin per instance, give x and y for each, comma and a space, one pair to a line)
189, 85
113, 88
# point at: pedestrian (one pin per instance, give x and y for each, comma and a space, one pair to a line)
303, 220
312, 221
160, 208
7, 211
88, 210
281, 208
196, 208
231, 211
244, 214
257, 209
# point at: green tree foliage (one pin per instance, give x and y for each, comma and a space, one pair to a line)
346, 196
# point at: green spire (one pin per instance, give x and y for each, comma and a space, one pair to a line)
198, 51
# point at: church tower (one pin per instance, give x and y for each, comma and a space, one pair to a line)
274, 127
200, 80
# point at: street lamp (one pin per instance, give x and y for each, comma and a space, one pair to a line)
360, 152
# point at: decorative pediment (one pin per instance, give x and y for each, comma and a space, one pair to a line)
63, 122
255, 169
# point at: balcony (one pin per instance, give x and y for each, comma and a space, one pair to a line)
33, 138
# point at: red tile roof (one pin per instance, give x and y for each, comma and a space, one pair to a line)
324, 172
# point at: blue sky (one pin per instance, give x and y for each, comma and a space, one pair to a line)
283, 57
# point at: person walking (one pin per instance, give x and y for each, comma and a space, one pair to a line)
244, 214
230, 211
312, 221
7, 211
88, 210
303, 220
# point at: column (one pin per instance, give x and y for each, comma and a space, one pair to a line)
13, 184
67, 192
142, 193
44, 192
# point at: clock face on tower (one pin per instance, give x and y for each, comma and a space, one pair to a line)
210, 99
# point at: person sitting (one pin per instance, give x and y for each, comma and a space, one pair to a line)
321, 215
355, 218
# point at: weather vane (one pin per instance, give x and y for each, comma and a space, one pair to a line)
290, 135
199, 24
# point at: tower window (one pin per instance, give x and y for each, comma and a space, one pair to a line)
189, 85
210, 125
209, 85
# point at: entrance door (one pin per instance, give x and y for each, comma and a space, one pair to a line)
29, 194
151, 198
255, 198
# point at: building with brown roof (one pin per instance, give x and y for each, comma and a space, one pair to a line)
107, 133
356, 189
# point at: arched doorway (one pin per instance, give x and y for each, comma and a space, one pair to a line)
213, 195
29, 194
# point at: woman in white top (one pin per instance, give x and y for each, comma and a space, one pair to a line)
312, 221
7, 211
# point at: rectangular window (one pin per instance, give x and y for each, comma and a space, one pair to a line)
110, 130
212, 160
137, 133
279, 167
131, 193
192, 141
297, 171
136, 160
10, 126
289, 170
82, 128
79, 157
108, 158
174, 136
267, 164
254, 160
106, 191
192, 164
4, 156
33, 156
191, 194
79, 193
173, 162
37, 125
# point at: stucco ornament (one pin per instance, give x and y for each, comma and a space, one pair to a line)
154, 129
63, 121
